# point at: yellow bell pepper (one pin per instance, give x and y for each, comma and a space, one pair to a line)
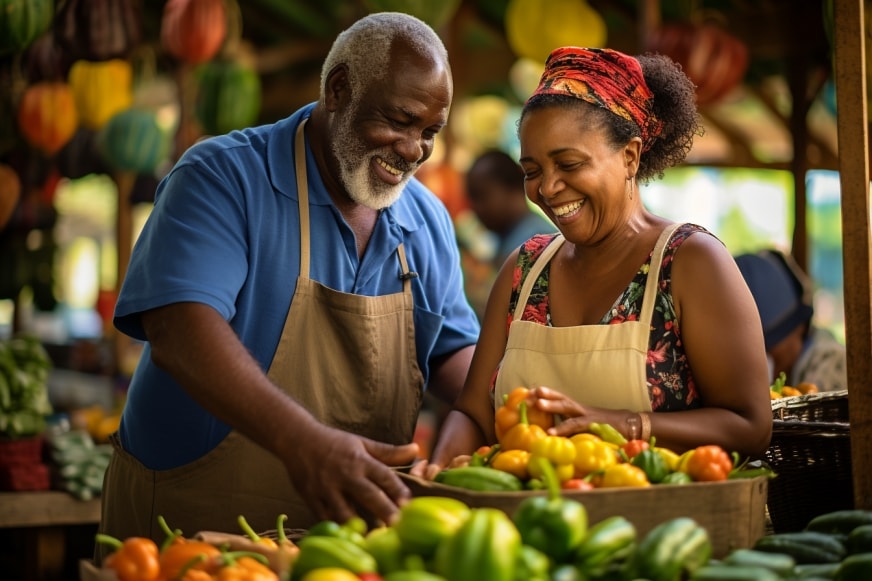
559, 451
592, 454
622, 475
670, 457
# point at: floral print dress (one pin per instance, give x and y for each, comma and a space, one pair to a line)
670, 381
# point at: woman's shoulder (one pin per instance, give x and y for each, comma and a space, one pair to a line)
534, 245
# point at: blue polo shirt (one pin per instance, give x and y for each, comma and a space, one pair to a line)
225, 232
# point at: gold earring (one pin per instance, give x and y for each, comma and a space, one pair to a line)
631, 184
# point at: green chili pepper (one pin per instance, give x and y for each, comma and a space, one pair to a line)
608, 433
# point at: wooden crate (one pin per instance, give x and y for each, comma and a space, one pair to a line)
733, 511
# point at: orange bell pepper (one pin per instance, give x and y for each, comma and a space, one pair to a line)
522, 435
508, 415
134, 559
245, 566
709, 463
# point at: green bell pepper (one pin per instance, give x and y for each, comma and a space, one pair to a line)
652, 463
608, 544
672, 550
317, 552
552, 524
384, 544
677, 478
353, 530
485, 547
533, 565
425, 520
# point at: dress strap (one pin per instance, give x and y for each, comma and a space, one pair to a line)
534, 272
651, 284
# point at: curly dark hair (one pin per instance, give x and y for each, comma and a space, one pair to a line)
674, 105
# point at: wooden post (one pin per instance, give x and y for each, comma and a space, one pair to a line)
850, 75
124, 182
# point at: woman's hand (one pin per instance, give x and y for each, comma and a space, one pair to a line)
574, 417
428, 470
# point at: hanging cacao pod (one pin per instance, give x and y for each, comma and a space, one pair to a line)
47, 116
46, 60
132, 140
80, 156
715, 60
101, 90
10, 192
99, 30
533, 31
228, 96
193, 30
22, 22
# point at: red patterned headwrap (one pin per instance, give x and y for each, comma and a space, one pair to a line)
606, 78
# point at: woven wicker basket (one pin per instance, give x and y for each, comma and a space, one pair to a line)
810, 452
828, 406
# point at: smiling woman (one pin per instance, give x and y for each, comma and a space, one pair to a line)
615, 313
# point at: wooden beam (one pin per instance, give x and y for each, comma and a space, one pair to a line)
850, 75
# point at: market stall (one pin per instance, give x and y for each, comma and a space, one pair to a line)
732, 513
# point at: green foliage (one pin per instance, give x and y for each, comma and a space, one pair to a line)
24, 403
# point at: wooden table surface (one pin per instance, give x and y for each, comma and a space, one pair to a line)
46, 508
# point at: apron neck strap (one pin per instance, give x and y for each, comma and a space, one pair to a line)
303, 196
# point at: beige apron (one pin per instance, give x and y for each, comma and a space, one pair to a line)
349, 359
597, 365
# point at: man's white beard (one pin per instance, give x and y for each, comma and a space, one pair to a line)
354, 167
367, 191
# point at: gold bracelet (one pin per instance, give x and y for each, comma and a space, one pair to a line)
634, 425
645, 420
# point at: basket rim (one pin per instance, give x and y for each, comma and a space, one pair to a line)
794, 426
798, 401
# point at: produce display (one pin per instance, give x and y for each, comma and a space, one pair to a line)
603, 458
780, 388
546, 539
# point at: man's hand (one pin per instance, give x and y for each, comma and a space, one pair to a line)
340, 474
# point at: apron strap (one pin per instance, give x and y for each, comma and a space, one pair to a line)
406, 275
534, 272
650, 297
303, 195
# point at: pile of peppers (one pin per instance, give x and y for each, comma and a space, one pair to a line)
547, 537
600, 458
188, 559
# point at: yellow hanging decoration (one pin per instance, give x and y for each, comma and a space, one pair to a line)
535, 28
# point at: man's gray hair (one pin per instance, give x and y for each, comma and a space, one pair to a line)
365, 47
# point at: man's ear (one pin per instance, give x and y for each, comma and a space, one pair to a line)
337, 89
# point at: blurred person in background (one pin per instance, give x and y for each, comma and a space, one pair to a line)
495, 188
804, 352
